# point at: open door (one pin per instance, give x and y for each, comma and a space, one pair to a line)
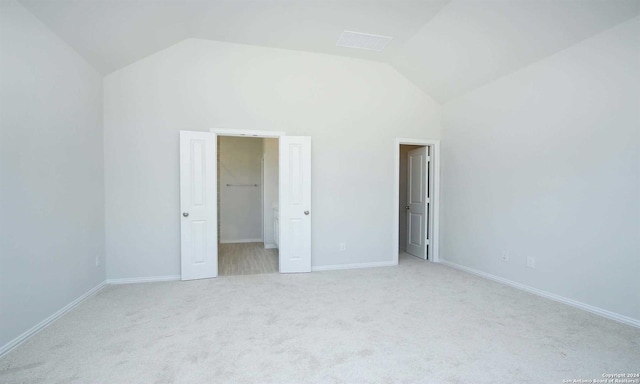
198, 204
417, 202
295, 204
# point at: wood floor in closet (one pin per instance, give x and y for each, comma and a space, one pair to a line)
246, 259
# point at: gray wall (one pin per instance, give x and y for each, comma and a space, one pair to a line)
545, 163
352, 109
51, 173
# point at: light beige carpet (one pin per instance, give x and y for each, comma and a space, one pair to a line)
415, 323
246, 259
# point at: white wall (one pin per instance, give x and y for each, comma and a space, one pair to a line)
240, 163
352, 109
546, 163
51, 173
270, 180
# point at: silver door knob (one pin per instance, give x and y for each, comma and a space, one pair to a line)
306, 213
185, 214
406, 207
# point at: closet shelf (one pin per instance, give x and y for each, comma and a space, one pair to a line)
242, 185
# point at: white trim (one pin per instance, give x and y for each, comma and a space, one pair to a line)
561, 299
49, 320
136, 280
435, 199
270, 246
246, 132
241, 241
354, 266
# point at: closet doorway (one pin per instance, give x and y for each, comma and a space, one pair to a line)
417, 199
247, 205
200, 189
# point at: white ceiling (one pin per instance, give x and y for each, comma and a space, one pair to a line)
447, 48
471, 43
112, 34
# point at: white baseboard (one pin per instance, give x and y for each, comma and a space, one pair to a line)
46, 322
136, 280
577, 304
241, 241
353, 266
270, 246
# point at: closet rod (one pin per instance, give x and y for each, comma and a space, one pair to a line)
242, 185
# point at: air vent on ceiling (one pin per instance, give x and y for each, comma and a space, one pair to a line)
363, 41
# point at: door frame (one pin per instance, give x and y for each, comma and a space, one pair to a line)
434, 217
247, 133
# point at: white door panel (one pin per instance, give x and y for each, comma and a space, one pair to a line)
417, 202
198, 204
294, 242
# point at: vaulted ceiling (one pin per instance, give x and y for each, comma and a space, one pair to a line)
447, 48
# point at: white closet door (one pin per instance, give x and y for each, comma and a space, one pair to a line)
295, 204
198, 203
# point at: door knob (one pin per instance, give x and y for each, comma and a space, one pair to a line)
185, 214
306, 213
406, 207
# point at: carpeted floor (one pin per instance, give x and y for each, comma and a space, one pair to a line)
415, 323
246, 259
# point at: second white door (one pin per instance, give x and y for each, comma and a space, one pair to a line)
417, 202
295, 204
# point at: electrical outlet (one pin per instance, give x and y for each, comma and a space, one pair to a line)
97, 261
342, 246
531, 262
505, 256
